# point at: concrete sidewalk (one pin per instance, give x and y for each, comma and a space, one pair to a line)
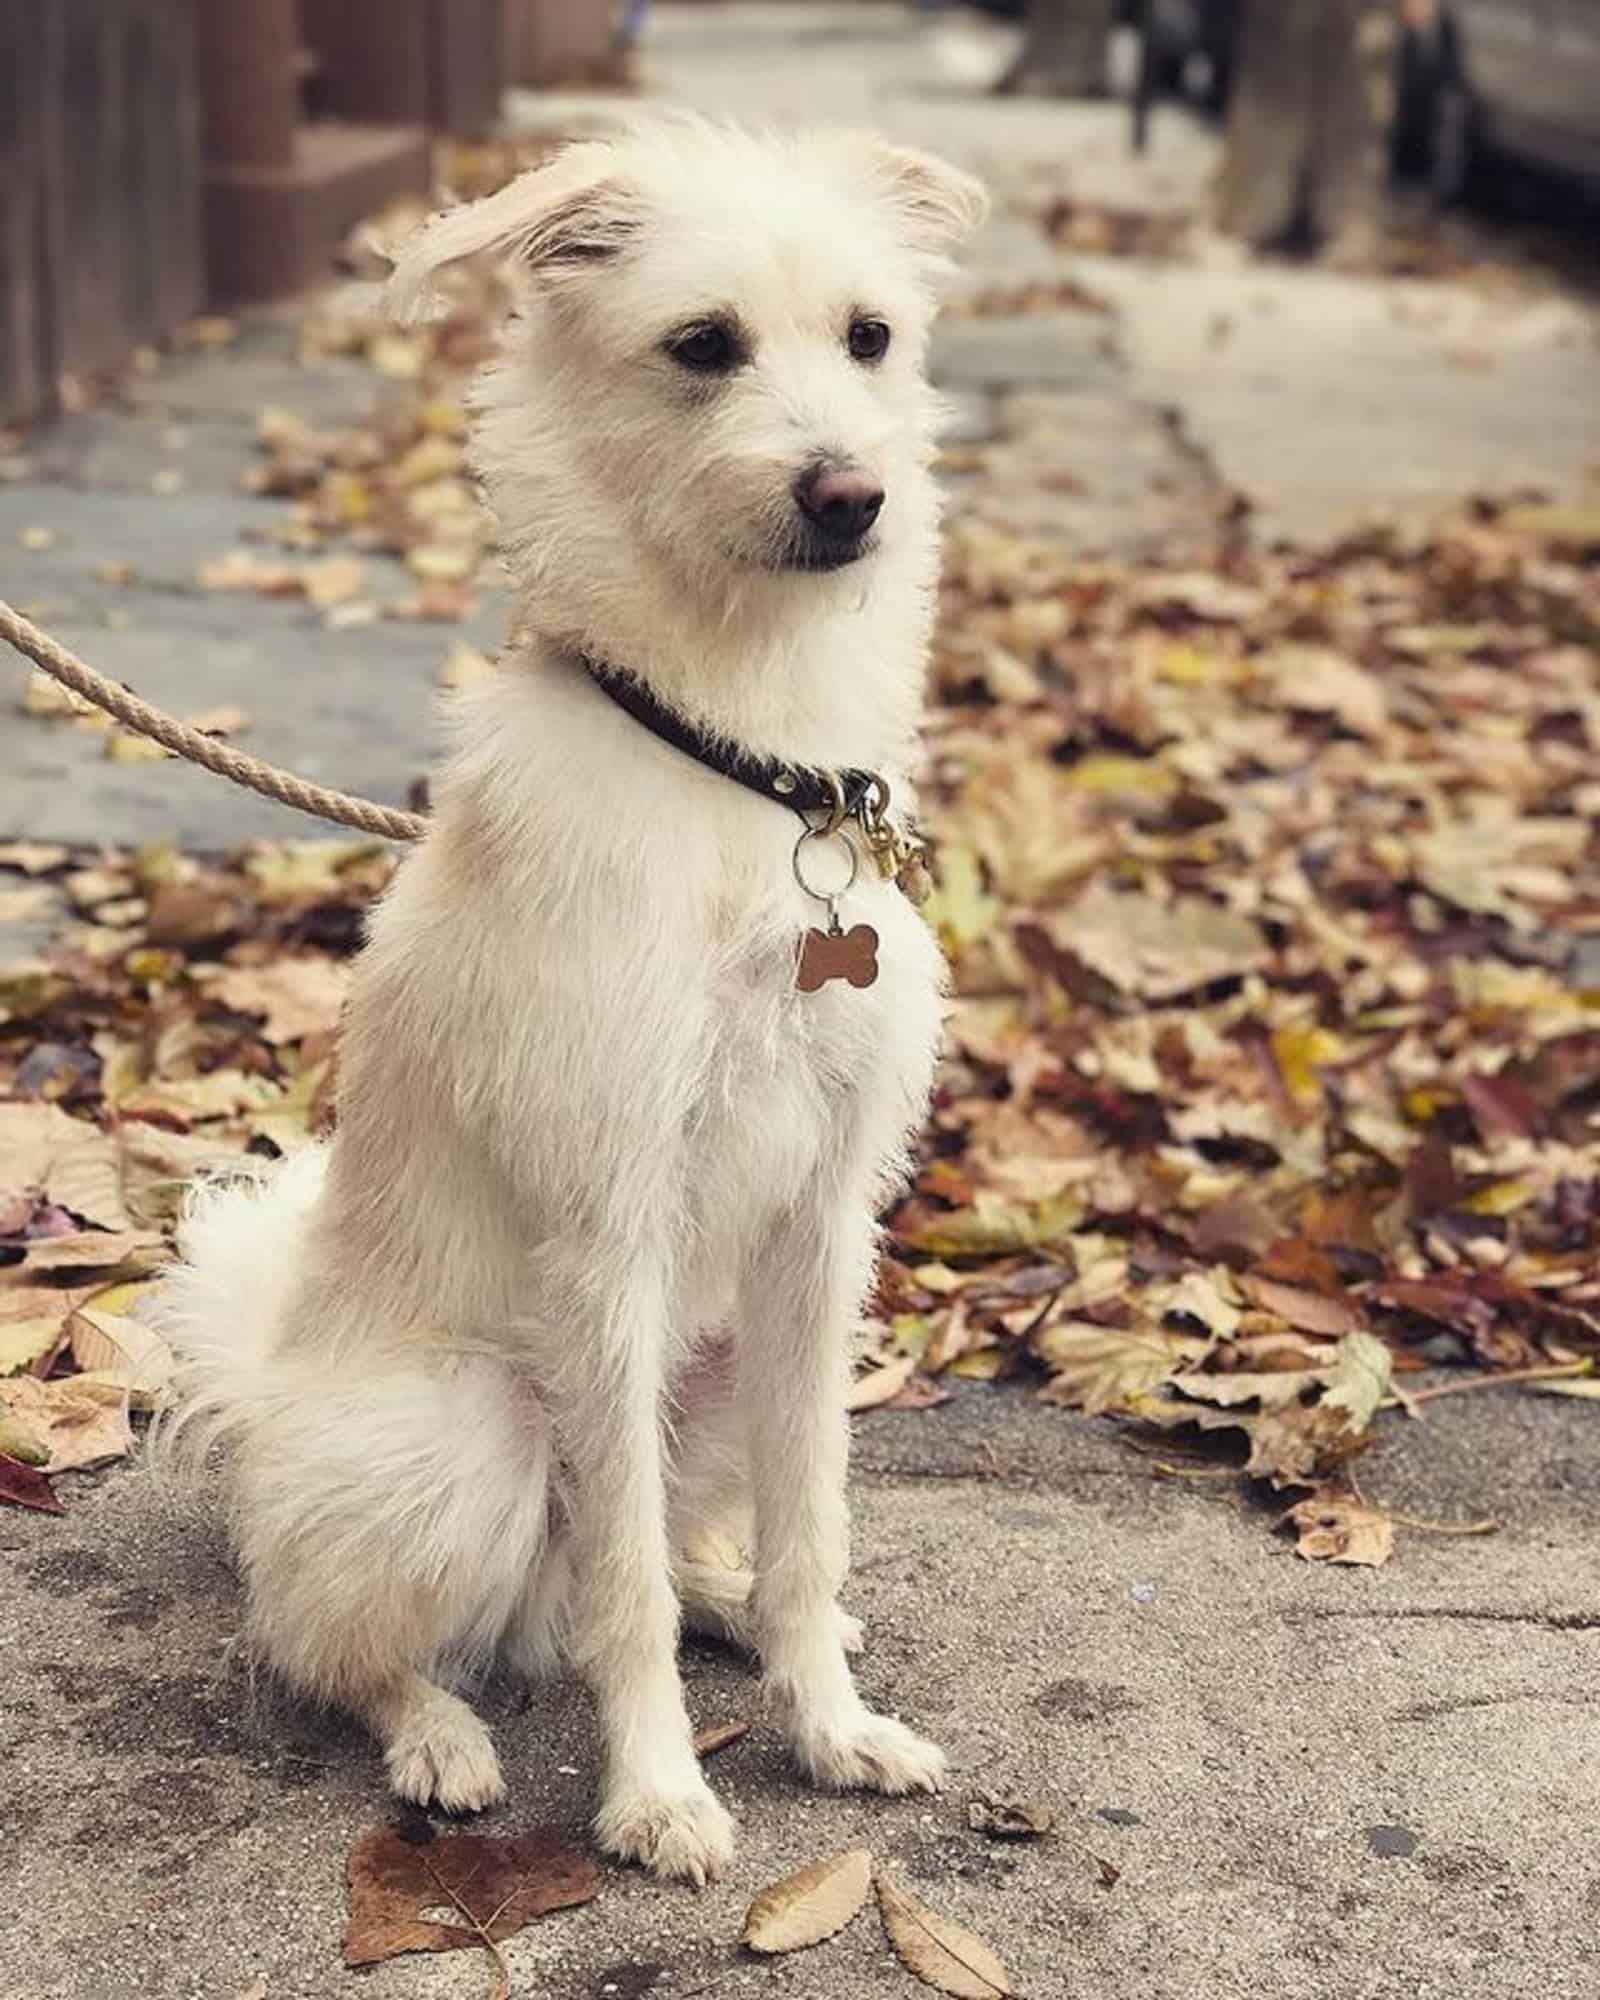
1313, 1784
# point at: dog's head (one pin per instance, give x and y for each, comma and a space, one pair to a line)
718, 366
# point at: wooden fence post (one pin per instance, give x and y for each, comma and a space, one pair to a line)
99, 186
281, 194
440, 63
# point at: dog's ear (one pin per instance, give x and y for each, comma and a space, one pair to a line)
572, 212
937, 206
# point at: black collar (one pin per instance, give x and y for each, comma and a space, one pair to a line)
803, 788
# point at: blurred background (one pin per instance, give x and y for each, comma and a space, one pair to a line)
1289, 265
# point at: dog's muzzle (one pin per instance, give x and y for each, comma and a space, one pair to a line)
838, 507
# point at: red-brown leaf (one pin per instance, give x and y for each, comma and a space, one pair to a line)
24, 1486
503, 1883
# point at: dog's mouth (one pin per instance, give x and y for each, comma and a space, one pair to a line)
818, 558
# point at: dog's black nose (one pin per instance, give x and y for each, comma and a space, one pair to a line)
840, 503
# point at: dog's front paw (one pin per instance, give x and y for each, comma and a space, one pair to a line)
441, 1754
873, 1752
684, 1836
852, 1633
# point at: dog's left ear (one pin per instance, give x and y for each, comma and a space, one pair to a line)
936, 205
572, 212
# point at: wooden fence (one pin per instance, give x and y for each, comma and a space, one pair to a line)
99, 186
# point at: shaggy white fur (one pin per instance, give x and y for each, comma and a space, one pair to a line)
563, 1314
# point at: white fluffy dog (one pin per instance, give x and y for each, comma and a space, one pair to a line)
564, 1311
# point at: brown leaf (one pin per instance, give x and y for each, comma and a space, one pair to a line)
295, 996
1334, 1527
1501, 1107
1009, 1819
73, 1162
812, 1904
941, 1952
505, 1884
25, 1486
1312, 1312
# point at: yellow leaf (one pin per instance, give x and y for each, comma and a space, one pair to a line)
959, 908
443, 562
1098, 1368
993, 1227
335, 581
464, 666
20, 1441
1502, 1197
399, 356
124, 748
23, 1341
1299, 1053
979, 1364
1359, 1378
295, 996
941, 1952
1109, 775
1197, 666
814, 1903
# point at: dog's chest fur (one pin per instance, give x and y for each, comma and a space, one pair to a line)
809, 1086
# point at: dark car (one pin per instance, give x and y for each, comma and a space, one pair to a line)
1509, 79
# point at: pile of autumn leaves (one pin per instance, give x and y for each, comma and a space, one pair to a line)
1272, 891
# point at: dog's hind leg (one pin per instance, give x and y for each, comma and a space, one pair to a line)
386, 1527
435, 1749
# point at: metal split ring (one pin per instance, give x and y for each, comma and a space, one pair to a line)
830, 832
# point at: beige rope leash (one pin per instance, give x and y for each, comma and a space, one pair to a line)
196, 746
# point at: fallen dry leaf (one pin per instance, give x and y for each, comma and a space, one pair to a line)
880, 1385
25, 1341
74, 1163
295, 997
941, 1952
80, 1420
1098, 1368
121, 1349
1334, 1527
25, 1486
812, 1904
500, 1885
1009, 1819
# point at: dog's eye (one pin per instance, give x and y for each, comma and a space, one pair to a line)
869, 339
709, 350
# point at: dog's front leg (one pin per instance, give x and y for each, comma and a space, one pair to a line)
801, 1303
605, 1399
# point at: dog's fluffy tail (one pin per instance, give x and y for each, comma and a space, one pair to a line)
241, 1244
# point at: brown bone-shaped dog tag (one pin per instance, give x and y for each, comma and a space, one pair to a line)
825, 955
